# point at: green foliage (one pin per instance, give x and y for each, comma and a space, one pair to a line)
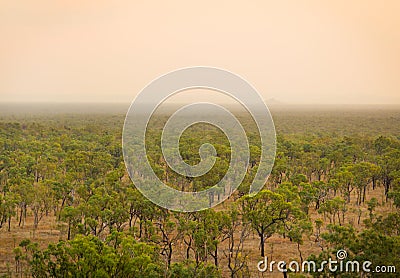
374, 245
88, 256
394, 194
268, 212
191, 269
70, 167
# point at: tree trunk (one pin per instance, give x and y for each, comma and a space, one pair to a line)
169, 258
262, 247
301, 256
284, 272
20, 217
9, 223
216, 257
188, 249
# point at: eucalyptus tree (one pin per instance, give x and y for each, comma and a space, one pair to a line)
235, 232
42, 202
297, 230
394, 193
389, 163
363, 174
266, 213
345, 178
201, 234
118, 255
335, 209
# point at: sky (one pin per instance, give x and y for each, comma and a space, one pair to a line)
300, 52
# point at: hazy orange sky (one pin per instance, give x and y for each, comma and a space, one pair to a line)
293, 51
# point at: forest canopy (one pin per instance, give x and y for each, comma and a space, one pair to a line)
69, 209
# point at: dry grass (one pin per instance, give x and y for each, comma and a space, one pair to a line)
47, 232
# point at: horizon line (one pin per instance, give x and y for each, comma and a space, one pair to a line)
273, 103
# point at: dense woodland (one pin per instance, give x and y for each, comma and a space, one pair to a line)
335, 185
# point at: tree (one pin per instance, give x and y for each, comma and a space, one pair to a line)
87, 256
201, 233
394, 194
42, 201
346, 180
169, 234
372, 204
335, 207
266, 212
235, 253
8, 203
297, 230
363, 174
191, 269
389, 164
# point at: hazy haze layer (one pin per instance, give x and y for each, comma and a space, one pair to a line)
292, 51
